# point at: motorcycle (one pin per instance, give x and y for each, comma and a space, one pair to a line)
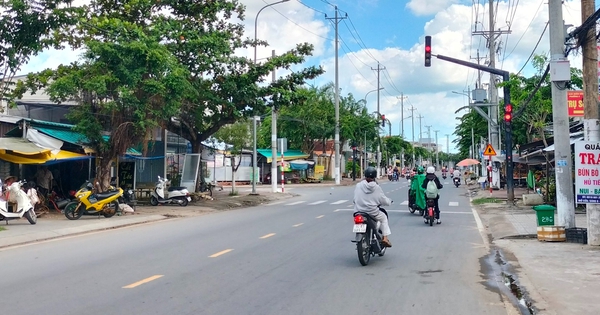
368, 237
179, 195
23, 207
444, 175
430, 213
456, 181
90, 203
412, 204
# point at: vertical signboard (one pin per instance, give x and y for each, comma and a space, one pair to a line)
587, 170
575, 103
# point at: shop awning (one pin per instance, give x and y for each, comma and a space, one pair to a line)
46, 157
287, 156
21, 146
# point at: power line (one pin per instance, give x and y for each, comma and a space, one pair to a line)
525, 32
306, 5
300, 26
534, 48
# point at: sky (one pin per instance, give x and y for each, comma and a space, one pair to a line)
390, 33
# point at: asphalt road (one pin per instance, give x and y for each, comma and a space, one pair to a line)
294, 257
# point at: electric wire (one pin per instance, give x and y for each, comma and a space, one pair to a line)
534, 48
300, 26
524, 32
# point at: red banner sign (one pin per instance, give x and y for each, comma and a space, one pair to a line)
575, 103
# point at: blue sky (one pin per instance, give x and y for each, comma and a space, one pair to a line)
392, 32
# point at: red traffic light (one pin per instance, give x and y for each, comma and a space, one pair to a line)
507, 117
427, 51
427, 48
508, 108
382, 117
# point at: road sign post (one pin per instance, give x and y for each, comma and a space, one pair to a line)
489, 152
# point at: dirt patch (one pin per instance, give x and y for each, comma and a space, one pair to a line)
219, 203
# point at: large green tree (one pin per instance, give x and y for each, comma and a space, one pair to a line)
238, 137
27, 27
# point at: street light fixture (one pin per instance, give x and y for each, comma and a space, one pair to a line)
273, 118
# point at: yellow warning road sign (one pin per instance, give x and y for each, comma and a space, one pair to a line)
489, 150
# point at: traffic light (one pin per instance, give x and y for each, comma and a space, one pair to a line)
427, 51
508, 114
383, 120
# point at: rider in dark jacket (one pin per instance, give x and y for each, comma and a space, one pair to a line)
432, 177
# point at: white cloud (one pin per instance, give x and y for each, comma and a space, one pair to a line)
428, 7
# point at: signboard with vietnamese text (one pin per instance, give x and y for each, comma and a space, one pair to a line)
587, 170
575, 103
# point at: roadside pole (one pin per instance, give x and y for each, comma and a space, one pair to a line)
590, 109
560, 75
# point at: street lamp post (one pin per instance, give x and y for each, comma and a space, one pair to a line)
273, 120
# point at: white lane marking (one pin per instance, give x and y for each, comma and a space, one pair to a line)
317, 202
339, 202
275, 203
404, 203
453, 204
319, 217
297, 225
296, 203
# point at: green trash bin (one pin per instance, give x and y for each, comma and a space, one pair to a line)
545, 214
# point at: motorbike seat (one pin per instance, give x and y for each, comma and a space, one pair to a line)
173, 188
106, 194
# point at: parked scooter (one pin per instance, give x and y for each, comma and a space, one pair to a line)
91, 203
23, 207
177, 195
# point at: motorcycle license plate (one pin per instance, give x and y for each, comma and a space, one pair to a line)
189, 198
359, 228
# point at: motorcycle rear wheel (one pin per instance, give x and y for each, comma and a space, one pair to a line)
31, 216
184, 202
111, 213
364, 251
73, 211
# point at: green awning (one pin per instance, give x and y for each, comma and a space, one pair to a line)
289, 155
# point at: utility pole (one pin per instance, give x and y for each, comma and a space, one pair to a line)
378, 69
420, 133
560, 117
337, 20
437, 156
447, 147
492, 35
429, 142
412, 118
274, 139
591, 119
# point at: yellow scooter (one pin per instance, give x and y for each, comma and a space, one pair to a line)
105, 203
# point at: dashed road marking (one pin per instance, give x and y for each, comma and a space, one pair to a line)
317, 202
339, 202
135, 284
404, 203
319, 216
297, 225
267, 236
296, 203
275, 203
223, 252
453, 204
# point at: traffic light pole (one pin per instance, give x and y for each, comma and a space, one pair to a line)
510, 191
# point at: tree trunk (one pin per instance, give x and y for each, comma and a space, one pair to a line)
233, 170
102, 180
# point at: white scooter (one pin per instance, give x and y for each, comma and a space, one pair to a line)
178, 195
23, 206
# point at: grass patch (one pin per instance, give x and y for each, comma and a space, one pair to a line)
233, 193
480, 201
2, 228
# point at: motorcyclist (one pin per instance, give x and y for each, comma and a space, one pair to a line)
368, 196
432, 177
456, 174
416, 196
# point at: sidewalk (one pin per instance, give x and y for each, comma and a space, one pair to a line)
556, 278
54, 225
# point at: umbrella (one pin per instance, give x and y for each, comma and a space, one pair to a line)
467, 162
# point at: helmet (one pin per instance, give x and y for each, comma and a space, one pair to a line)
420, 170
430, 170
370, 172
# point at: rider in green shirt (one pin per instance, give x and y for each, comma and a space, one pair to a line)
417, 193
